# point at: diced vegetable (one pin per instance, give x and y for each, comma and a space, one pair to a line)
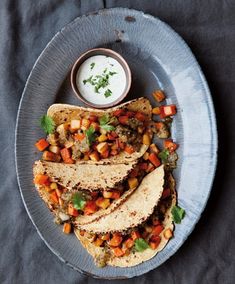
118, 252
103, 202
115, 194
154, 241
102, 147
162, 130
167, 111
98, 242
148, 229
115, 240
53, 185
90, 208
67, 228
157, 230
132, 182
140, 116
41, 179
154, 148
47, 188
129, 243
107, 194
129, 149
54, 198
52, 139
166, 193
135, 235
64, 217
123, 119
85, 124
118, 112
54, 149
49, 156
105, 237
65, 154
79, 136
146, 139
158, 95
75, 124
42, 144
156, 110
72, 211
154, 160
102, 138
168, 234
171, 146
94, 156
105, 154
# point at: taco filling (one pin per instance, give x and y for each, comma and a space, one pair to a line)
96, 136
151, 234
71, 205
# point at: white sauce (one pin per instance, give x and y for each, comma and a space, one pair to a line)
101, 65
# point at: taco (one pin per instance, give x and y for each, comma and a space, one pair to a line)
82, 194
140, 242
84, 135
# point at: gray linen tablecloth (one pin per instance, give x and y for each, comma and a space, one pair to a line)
208, 26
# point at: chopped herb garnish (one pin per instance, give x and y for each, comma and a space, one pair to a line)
90, 135
163, 155
105, 123
177, 214
100, 81
108, 93
78, 201
89, 80
47, 124
141, 245
112, 73
92, 65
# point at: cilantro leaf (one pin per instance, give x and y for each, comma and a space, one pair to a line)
88, 80
92, 65
47, 124
108, 93
104, 119
141, 245
78, 201
105, 123
90, 135
178, 214
163, 155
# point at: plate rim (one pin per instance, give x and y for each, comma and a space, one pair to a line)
214, 145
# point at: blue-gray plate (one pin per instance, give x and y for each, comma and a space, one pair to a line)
158, 58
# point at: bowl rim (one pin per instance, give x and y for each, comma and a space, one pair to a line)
102, 51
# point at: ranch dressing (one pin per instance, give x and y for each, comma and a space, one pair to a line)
101, 79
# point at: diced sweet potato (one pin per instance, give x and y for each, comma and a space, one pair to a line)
67, 228
90, 208
41, 179
102, 147
168, 234
118, 252
132, 182
49, 156
146, 139
103, 202
94, 156
153, 158
115, 240
42, 144
158, 95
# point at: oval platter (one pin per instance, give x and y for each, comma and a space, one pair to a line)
158, 58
